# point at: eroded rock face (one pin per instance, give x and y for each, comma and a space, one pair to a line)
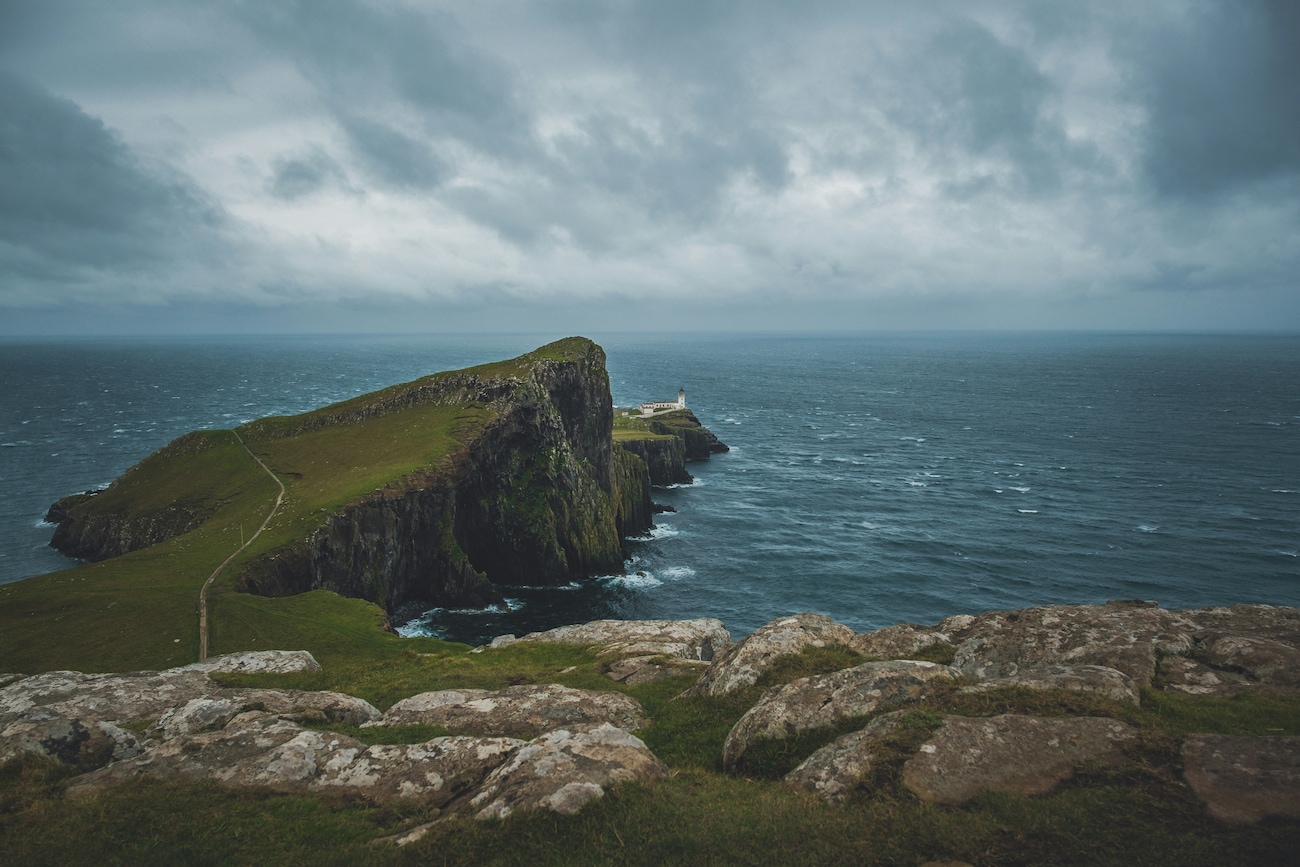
820, 701
838, 768
1097, 679
1244, 779
698, 639
563, 770
1263, 660
516, 711
1181, 674
1009, 753
741, 664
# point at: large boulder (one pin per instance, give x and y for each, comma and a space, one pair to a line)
214, 711
1263, 660
1096, 679
822, 700
838, 768
83, 743
257, 662
563, 770
1127, 636
698, 639
741, 664
1244, 779
516, 711
1009, 753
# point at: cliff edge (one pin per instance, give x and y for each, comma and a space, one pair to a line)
431, 492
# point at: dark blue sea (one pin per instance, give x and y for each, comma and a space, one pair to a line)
873, 478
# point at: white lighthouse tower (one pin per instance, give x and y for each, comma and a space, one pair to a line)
681, 398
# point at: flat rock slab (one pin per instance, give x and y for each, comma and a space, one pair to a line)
1097, 679
516, 711
698, 639
741, 664
840, 767
822, 700
645, 669
214, 711
257, 661
83, 743
1009, 753
563, 770
1244, 779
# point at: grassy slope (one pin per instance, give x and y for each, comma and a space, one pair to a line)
140, 610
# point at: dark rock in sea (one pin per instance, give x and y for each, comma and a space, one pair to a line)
660, 509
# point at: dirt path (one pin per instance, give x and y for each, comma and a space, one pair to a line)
203, 592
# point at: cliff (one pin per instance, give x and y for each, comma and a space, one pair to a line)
434, 491
666, 442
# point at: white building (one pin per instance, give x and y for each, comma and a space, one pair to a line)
664, 405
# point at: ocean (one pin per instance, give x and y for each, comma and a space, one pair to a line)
873, 478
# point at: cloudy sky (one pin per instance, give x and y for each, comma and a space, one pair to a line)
360, 165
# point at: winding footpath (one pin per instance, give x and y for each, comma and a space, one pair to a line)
203, 592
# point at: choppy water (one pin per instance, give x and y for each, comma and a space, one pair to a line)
871, 478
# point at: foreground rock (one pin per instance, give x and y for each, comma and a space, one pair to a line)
822, 700
563, 770
699, 639
840, 767
516, 711
1009, 753
1244, 779
741, 664
141, 695
1096, 679
262, 750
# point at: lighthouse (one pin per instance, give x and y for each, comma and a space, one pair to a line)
681, 398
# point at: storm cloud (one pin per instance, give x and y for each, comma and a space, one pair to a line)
608, 163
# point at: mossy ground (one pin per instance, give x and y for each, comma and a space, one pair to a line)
1137, 813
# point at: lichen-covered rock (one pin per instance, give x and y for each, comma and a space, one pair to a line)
214, 711
563, 770
898, 641
262, 750
1097, 679
1119, 635
1183, 674
1263, 660
698, 639
257, 661
111, 697
821, 700
6, 679
644, 669
1009, 753
82, 743
741, 664
516, 711
838, 768
1244, 779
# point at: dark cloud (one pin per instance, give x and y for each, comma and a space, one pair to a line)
73, 197
1223, 90
294, 177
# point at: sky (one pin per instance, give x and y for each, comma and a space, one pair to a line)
175, 166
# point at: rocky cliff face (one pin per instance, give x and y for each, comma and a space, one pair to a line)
665, 457
539, 495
